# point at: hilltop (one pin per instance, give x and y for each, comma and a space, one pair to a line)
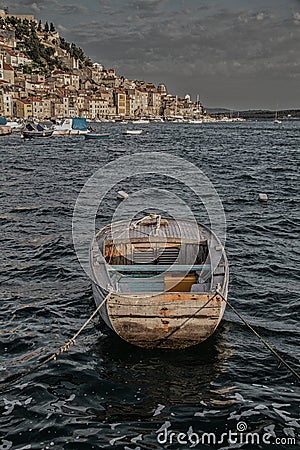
43, 75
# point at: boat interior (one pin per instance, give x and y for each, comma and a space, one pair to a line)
161, 267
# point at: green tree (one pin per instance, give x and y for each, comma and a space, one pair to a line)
46, 28
39, 28
52, 28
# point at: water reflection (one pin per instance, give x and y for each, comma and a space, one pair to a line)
144, 379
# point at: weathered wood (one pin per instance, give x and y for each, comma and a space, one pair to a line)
167, 297
143, 310
161, 311
158, 268
167, 320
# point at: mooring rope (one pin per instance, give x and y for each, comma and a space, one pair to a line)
61, 350
266, 344
71, 341
186, 320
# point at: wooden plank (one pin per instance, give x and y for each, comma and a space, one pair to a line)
166, 298
165, 305
168, 320
158, 310
158, 268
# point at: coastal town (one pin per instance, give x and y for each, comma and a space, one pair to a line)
44, 77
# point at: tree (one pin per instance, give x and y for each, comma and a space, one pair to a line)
39, 28
46, 29
52, 28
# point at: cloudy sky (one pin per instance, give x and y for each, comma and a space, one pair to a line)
238, 54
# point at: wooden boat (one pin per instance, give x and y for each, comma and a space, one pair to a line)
160, 278
133, 132
96, 136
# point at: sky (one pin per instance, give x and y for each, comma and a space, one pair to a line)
238, 54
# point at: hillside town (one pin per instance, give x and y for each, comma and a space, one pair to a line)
44, 77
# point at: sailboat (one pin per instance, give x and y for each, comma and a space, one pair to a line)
276, 120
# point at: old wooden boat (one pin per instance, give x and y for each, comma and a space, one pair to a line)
161, 279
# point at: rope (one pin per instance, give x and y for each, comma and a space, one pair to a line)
158, 221
186, 320
71, 341
268, 346
62, 349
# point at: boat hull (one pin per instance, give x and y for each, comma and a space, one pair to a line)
96, 136
36, 134
170, 320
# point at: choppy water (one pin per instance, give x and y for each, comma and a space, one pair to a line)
104, 393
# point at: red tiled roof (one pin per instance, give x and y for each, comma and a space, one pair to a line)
36, 100
60, 72
5, 47
7, 67
26, 101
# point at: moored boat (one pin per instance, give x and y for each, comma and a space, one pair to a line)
96, 136
69, 127
141, 121
40, 130
164, 281
133, 132
16, 126
195, 121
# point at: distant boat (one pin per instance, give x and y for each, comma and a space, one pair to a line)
195, 121
141, 121
33, 130
14, 126
96, 136
70, 127
5, 130
134, 132
276, 120
160, 279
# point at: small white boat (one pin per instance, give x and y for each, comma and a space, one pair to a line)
133, 132
69, 127
276, 120
141, 121
195, 121
15, 126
